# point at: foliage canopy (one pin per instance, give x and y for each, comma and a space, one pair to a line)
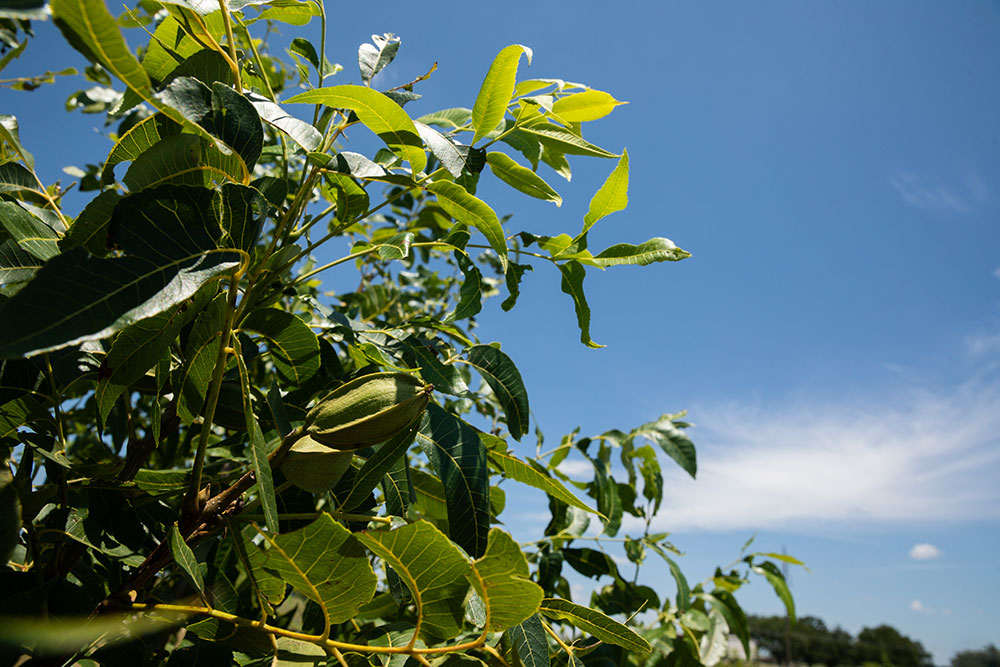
161, 350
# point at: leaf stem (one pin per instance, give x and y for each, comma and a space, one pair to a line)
227, 19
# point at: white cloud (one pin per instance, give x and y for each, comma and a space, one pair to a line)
576, 468
924, 551
922, 456
996, 272
918, 606
963, 195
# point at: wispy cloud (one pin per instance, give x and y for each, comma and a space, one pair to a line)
924, 551
922, 456
962, 195
918, 606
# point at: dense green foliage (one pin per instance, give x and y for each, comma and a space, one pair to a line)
988, 656
161, 348
813, 643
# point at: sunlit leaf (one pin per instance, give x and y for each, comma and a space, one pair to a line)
293, 345
519, 471
299, 131
474, 212
184, 556
521, 178
595, 623
653, 250
29, 233
433, 570
325, 563
497, 89
380, 114
611, 197
502, 580
373, 57
562, 141
585, 106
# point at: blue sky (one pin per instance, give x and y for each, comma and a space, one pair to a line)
834, 167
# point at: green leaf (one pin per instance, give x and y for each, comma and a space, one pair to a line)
299, 131
653, 250
293, 13
90, 229
169, 235
521, 178
258, 447
352, 199
325, 563
515, 469
609, 501
467, 209
380, 463
585, 106
563, 141
671, 440
459, 458
591, 562
184, 556
241, 211
450, 119
28, 232
595, 623
139, 138
93, 31
183, 159
201, 353
372, 58
379, 113
470, 294
293, 346
683, 590
14, 177
784, 558
500, 373
444, 149
530, 642
774, 576
16, 265
446, 378
503, 582
139, 346
10, 134
433, 570
573, 274
610, 197
497, 89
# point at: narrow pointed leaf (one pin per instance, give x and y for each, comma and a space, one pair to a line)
595, 623
459, 459
562, 141
683, 589
497, 89
503, 582
519, 471
774, 576
673, 441
293, 346
500, 373
201, 354
432, 568
9, 132
586, 106
572, 284
474, 212
521, 178
611, 197
139, 138
184, 556
470, 294
325, 563
28, 232
450, 119
380, 114
653, 250
93, 31
378, 464
258, 447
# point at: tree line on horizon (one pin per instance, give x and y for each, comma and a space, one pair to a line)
812, 642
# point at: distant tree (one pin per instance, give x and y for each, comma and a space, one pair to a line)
885, 645
812, 641
984, 657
